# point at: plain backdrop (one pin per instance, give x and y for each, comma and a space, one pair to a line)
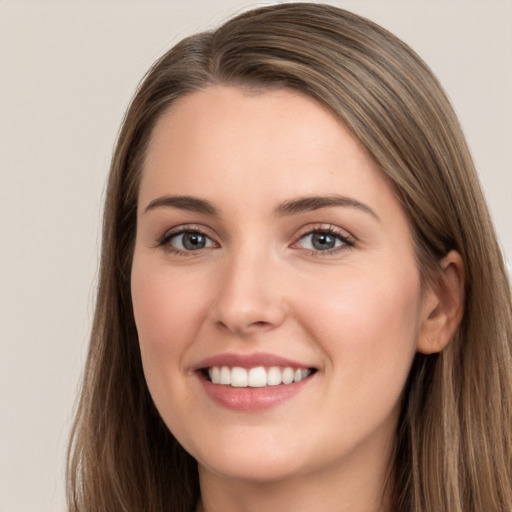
67, 72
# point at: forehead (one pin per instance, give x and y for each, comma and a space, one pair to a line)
223, 116
231, 134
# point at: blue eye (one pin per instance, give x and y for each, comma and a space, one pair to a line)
323, 241
188, 241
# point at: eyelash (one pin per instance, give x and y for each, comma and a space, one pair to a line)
347, 242
164, 241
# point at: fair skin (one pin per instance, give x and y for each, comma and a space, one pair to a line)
233, 268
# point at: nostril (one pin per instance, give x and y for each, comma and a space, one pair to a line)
243, 329
260, 324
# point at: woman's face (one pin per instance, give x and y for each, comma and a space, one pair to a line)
270, 249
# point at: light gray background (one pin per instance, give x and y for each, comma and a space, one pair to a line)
67, 72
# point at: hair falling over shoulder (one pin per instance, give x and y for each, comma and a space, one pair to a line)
453, 448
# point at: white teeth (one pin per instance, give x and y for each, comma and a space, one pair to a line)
274, 376
225, 376
239, 378
215, 375
257, 377
288, 375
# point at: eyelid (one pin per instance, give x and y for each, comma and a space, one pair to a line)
163, 240
348, 240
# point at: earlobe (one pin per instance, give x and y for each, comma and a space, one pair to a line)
443, 306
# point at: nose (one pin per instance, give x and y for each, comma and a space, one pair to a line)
250, 295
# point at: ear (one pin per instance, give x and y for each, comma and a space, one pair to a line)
443, 305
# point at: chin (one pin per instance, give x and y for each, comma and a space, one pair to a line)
252, 462
253, 471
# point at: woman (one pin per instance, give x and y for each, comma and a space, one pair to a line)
302, 303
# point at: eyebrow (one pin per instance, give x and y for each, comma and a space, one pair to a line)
291, 207
189, 203
307, 204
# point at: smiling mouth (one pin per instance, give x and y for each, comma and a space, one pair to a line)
257, 377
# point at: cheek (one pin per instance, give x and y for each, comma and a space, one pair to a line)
368, 327
368, 322
166, 313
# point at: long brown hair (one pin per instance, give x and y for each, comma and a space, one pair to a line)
454, 440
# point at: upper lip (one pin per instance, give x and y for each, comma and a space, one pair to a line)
231, 360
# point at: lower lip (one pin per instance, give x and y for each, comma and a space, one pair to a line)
251, 399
